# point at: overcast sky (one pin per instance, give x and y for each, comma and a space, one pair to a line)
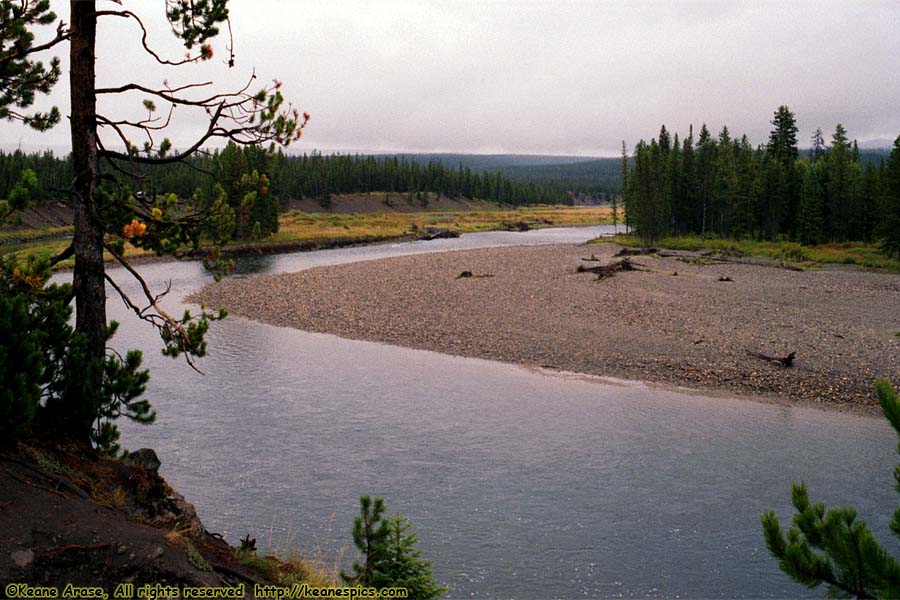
536, 77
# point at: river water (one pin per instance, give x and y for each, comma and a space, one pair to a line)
520, 483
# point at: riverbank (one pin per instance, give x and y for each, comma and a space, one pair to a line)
69, 516
680, 323
303, 231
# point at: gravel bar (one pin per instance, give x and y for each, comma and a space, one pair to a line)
676, 323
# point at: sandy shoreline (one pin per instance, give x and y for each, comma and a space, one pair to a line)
528, 305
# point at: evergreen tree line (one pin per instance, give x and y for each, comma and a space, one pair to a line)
724, 186
308, 176
54, 173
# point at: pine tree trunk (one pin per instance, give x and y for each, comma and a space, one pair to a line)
88, 282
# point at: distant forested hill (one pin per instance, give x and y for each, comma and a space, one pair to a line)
517, 178
491, 162
585, 177
872, 155
595, 178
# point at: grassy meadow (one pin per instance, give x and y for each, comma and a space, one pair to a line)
861, 254
322, 229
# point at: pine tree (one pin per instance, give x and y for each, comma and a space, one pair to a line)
817, 148
390, 557
834, 547
369, 535
625, 206
118, 205
402, 565
725, 185
706, 157
746, 164
783, 137
869, 194
684, 206
21, 77
783, 180
888, 230
839, 184
810, 225
614, 207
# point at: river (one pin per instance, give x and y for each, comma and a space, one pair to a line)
520, 483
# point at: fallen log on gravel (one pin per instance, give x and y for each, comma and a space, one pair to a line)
604, 271
636, 251
784, 361
433, 233
469, 274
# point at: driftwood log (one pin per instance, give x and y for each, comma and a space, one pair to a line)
433, 233
784, 361
604, 271
636, 251
470, 274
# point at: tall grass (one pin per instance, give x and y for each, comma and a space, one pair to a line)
331, 228
867, 255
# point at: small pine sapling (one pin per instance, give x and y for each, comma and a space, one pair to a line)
402, 565
369, 533
390, 555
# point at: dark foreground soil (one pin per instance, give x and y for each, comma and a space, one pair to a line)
690, 323
67, 517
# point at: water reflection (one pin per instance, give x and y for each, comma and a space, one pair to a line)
254, 265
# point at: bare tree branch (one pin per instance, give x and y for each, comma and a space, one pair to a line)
69, 252
159, 318
128, 14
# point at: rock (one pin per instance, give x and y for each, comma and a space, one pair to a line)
157, 553
122, 549
144, 458
23, 558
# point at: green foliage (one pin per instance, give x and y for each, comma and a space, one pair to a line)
43, 366
726, 188
833, 546
19, 196
309, 176
888, 229
390, 555
28, 321
89, 386
369, 535
402, 564
810, 225
195, 21
241, 173
848, 253
196, 559
20, 77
